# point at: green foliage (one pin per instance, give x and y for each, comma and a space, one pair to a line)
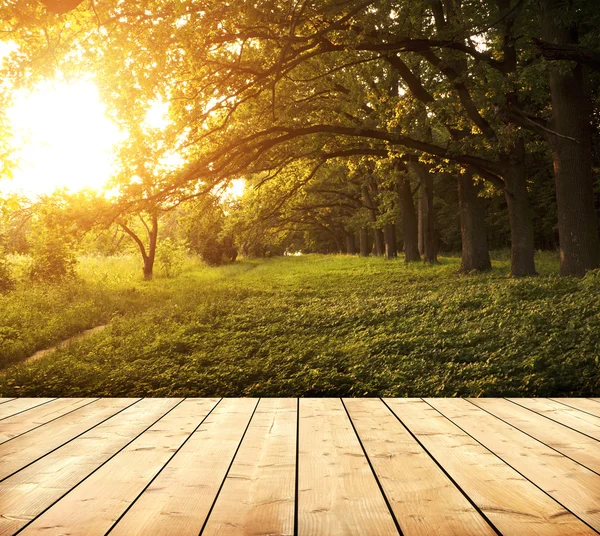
7, 280
52, 256
313, 325
203, 224
170, 257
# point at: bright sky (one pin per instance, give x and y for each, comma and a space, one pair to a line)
63, 138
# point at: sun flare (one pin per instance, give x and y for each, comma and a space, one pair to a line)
62, 139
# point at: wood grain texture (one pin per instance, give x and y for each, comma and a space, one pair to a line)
337, 491
94, 505
238, 467
20, 424
574, 486
566, 441
513, 504
27, 448
3, 400
29, 492
179, 500
574, 418
18, 405
260, 486
584, 404
423, 499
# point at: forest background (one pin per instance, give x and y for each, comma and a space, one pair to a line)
411, 129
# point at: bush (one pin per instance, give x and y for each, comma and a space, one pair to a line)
52, 259
170, 256
7, 281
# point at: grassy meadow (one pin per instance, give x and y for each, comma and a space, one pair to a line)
305, 326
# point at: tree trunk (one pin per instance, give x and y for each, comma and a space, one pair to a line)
350, 244
364, 242
368, 202
338, 242
421, 218
149, 258
391, 252
521, 225
409, 221
427, 212
571, 151
475, 253
379, 242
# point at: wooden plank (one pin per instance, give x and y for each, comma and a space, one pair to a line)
578, 420
423, 499
574, 486
512, 503
566, 441
27, 448
16, 425
26, 494
337, 491
3, 400
260, 486
18, 405
180, 499
94, 505
583, 404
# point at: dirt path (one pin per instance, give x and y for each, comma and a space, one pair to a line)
75, 338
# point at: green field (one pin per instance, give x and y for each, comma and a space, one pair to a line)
310, 325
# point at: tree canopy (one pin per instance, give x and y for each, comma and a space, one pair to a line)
342, 115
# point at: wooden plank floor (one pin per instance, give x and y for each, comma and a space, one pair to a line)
300, 466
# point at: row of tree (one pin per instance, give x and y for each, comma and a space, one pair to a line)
341, 114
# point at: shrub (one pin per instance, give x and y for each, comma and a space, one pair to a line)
52, 259
7, 281
170, 256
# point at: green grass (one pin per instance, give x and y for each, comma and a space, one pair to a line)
311, 325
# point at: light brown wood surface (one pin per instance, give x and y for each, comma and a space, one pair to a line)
584, 404
337, 491
27, 448
26, 494
179, 500
18, 405
249, 467
15, 425
576, 446
94, 505
511, 502
260, 486
571, 484
423, 498
578, 420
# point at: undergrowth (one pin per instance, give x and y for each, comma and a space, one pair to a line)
307, 326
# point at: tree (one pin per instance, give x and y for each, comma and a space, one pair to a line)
254, 87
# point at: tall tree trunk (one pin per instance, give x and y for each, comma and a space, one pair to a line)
409, 221
350, 245
421, 221
519, 213
152, 239
391, 252
368, 201
338, 242
364, 242
475, 253
147, 256
427, 212
571, 150
379, 242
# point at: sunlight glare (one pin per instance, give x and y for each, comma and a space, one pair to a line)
62, 138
